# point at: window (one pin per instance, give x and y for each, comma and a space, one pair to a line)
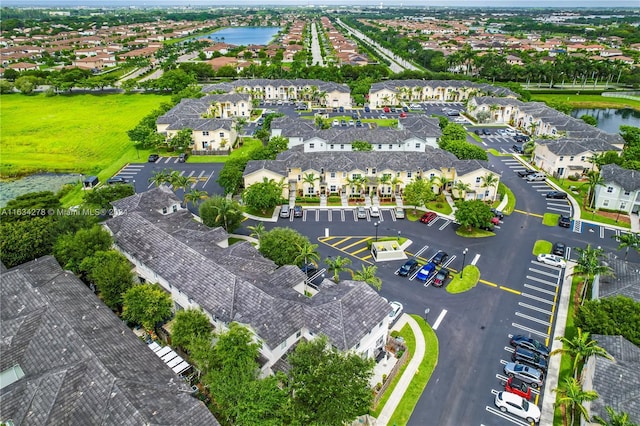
582, 158
311, 190
478, 180
605, 203
390, 146
561, 158
623, 205
164, 210
379, 147
627, 193
312, 145
283, 345
332, 188
409, 174
431, 175
331, 146
205, 145
222, 134
341, 146
358, 345
299, 178
387, 175
175, 208
298, 334
344, 174
373, 171
205, 133
355, 176
610, 189
333, 174
571, 158
418, 145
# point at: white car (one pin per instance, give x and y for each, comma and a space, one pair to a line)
335, 123
515, 404
396, 310
399, 213
374, 211
552, 259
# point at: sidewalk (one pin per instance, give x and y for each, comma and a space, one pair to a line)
409, 372
549, 399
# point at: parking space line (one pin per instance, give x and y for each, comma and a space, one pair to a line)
539, 299
329, 215
340, 242
353, 253
439, 319
602, 232
342, 215
505, 416
534, 319
475, 259
530, 330
541, 272
540, 280
356, 243
447, 222
317, 215
366, 258
535, 308
541, 290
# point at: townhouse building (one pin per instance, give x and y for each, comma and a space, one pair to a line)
234, 283
566, 157
620, 191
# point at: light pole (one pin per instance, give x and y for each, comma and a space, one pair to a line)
464, 255
426, 314
376, 225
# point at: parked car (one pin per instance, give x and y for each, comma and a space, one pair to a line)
509, 402
386, 109
399, 213
519, 149
335, 123
497, 213
428, 217
285, 211
478, 132
441, 277
183, 157
529, 343
439, 257
525, 173
521, 138
403, 114
405, 109
525, 356
361, 212
426, 272
116, 179
564, 221
517, 386
495, 220
557, 194
488, 227
486, 132
374, 211
354, 115
153, 158
396, 311
297, 211
310, 269
358, 123
341, 109
383, 116
409, 267
535, 177
552, 259
367, 109
530, 375
559, 249
352, 123
343, 123
260, 121
393, 109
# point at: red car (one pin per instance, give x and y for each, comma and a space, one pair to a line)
428, 217
387, 109
403, 114
495, 220
517, 386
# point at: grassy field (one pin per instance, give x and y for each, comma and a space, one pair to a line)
79, 133
588, 101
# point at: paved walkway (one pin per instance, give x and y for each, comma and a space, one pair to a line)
409, 372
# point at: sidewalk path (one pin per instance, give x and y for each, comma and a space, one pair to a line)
409, 372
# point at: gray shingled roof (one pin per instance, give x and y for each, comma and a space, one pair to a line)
82, 365
629, 180
432, 158
238, 284
625, 282
567, 146
480, 87
323, 86
617, 382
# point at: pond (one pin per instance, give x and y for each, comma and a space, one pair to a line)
244, 36
610, 119
35, 183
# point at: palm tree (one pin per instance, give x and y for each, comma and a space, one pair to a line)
396, 182
615, 419
368, 275
579, 348
310, 179
627, 241
443, 182
572, 396
159, 177
179, 181
337, 264
194, 196
384, 181
597, 159
593, 180
489, 181
257, 230
307, 253
226, 210
461, 188
589, 264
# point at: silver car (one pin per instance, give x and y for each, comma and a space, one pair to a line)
362, 213
527, 374
399, 213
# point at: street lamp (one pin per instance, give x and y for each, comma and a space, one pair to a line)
376, 225
464, 255
426, 314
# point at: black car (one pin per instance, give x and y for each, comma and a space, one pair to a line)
518, 148
525, 356
439, 257
557, 194
297, 211
405, 109
260, 121
559, 249
153, 158
477, 132
367, 109
183, 157
497, 213
529, 343
116, 179
486, 132
527, 172
358, 123
441, 277
341, 109
564, 221
409, 267
354, 115
521, 138
310, 269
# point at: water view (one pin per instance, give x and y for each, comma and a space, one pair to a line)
35, 183
244, 36
610, 119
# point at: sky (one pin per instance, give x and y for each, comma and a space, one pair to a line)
454, 3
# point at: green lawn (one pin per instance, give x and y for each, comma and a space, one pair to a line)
511, 199
79, 133
542, 246
468, 281
421, 378
550, 219
587, 101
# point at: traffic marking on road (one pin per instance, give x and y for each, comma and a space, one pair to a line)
539, 299
475, 259
530, 330
340, 242
535, 308
356, 243
353, 253
510, 290
528, 213
541, 290
447, 222
534, 319
499, 413
488, 283
542, 281
439, 319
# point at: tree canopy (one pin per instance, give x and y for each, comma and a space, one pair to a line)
71, 249
146, 305
263, 195
281, 245
111, 273
611, 316
418, 193
221, 211
189, 326
473, 213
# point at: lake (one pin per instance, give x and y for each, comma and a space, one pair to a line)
35, 183
244, 36
610, 119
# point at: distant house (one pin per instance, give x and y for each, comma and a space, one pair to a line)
566, 157
621, 189
67, 359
